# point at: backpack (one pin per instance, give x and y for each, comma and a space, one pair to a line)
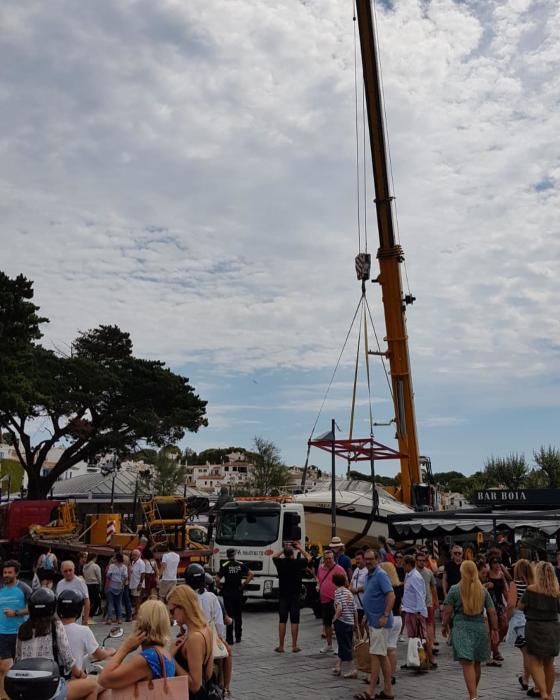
48, 563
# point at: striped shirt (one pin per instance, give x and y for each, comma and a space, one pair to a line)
521, 587
344, 601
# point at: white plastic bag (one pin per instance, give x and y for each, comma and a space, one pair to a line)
412, 653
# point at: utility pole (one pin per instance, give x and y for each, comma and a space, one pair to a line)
333, 480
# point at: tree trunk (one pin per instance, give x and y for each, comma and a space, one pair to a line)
38, 487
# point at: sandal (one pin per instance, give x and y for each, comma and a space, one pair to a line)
494, 663
533, 693
498, 657
364, 696
279, 650
382, 696
524, 685
336, 672
295, 650
350, 674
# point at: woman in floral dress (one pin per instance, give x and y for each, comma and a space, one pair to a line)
465, 606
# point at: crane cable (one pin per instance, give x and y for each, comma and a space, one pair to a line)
356, 128
388, 147
379, 350
355, 386
304, 476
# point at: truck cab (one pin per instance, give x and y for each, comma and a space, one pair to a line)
257, 529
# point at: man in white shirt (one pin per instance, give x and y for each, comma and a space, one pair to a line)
82, 642
358, 583
168, 579
414, 600
137, 576
71, 582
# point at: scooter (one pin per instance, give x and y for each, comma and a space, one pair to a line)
34, 678
114, 633
29, 679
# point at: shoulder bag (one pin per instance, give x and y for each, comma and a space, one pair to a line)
219, 649
360, 652
214, 690
176, 688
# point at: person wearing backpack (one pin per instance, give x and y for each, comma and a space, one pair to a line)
47, 562
42, 635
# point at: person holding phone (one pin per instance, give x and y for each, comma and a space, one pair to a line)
291, 569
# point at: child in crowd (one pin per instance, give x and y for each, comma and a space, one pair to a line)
345, 622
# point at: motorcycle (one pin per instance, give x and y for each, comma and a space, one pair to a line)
114, 633
30, 679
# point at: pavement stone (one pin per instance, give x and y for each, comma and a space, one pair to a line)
261, 674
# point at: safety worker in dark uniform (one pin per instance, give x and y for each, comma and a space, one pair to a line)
235, 576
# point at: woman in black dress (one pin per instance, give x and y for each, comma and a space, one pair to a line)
541, 603
497, 586
194, 648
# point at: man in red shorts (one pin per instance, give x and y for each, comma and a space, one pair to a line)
431, 601
414, 601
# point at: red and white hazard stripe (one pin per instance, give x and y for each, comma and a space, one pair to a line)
110, 530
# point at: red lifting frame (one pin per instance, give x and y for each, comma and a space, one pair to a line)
358, 449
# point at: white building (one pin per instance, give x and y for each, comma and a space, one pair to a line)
451, 500
314, 478
233, 473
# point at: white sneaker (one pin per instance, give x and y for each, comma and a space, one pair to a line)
327, 649
335, 651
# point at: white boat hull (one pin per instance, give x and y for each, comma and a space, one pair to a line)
353, 508
318, 528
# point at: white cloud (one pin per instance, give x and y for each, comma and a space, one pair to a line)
186, 170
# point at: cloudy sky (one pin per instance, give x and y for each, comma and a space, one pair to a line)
187, 170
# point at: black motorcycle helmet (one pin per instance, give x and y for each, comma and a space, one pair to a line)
70, 604
42, 603
195, 577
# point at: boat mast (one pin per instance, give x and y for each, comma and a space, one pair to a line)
390, 256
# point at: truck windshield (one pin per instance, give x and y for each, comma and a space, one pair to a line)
247, 528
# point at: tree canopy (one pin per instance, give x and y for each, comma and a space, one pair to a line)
269, 473
98, 399
166, 475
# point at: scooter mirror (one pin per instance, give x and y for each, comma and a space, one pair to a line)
115, 632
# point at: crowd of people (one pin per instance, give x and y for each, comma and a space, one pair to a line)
51, 619
384, 594
391, 592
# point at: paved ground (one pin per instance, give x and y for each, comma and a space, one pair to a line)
261, 674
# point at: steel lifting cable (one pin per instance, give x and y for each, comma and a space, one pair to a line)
366, 348
304, 476
379, 350
336, 368
394, 201
354, 18
355, 386
365, 179
374, 494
